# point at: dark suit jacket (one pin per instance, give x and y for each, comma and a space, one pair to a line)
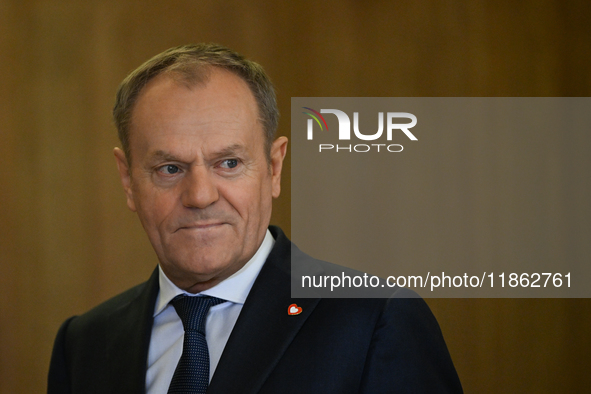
334, 346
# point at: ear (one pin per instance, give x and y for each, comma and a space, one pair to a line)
125, 175
278, 151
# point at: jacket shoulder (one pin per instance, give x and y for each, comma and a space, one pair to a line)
105, 347
109, 307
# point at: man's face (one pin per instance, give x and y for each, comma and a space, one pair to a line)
199, 179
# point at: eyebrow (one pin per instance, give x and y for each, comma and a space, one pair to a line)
162, 155
231, 150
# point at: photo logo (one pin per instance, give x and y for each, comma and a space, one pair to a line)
344, 133
315, 117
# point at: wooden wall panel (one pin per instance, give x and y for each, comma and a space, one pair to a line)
67, 241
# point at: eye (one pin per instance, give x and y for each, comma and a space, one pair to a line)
169, 169
229, 163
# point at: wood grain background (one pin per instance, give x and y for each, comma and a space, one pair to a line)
67, 240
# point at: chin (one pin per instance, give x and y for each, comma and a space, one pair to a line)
208, 265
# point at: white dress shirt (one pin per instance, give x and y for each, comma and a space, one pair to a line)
166, 342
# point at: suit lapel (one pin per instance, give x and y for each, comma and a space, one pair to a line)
261, 335
129, 339
264, 329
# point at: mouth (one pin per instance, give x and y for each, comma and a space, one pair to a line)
201, 226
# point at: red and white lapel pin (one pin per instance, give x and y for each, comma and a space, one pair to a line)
294, 309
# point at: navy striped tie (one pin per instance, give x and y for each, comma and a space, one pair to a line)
192, 372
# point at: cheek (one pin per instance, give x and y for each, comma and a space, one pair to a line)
247, 199
261, 205
153, 207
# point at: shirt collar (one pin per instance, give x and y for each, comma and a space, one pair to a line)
234, 289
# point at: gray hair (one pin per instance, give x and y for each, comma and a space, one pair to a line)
192, 64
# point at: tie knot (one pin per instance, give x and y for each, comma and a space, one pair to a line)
193, 310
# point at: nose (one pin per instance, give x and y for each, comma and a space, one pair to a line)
199, 189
